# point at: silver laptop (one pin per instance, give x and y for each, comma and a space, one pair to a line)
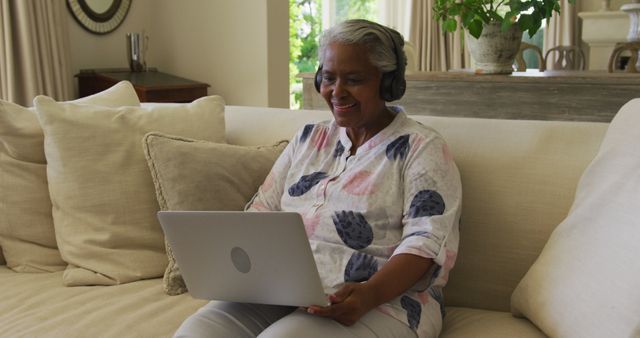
248, 257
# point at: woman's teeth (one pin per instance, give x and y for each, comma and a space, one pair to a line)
344, 106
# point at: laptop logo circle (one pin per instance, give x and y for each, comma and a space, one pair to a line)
240, 259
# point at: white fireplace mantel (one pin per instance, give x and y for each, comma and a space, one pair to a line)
601, 31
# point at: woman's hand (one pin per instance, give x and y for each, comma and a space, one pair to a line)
354, 300
350, 303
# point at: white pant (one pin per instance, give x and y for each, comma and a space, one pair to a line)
239, 320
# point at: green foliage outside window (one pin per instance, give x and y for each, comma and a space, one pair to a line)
305, 24
356, 9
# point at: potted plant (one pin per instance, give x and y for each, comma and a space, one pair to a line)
493, 28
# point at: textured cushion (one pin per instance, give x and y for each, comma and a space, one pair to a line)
104, 206
26, 226
585, 281
200, 175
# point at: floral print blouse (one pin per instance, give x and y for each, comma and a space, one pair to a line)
400, 193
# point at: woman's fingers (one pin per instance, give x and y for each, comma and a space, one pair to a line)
342, 294
345, 308
326, 311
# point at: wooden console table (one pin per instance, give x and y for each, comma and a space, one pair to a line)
151, 86
531, 95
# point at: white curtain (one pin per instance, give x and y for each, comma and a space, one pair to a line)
435, 51
34, 50
396, 14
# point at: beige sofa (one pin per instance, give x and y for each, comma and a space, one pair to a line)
519, 179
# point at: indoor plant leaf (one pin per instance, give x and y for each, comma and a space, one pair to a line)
475, 28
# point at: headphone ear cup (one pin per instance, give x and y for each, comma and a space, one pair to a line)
317, 80
399, 86
392, 86
386, 86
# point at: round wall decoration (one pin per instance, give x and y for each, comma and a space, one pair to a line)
99, 16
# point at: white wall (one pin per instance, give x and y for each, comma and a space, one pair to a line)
239, 47
596, 5
278, 50
106, 51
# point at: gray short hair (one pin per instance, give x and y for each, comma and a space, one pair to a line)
375, 37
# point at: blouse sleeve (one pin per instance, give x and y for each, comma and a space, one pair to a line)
270, 192
432, 199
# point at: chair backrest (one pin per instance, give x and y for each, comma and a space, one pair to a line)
566, 58
521, 64
621, 47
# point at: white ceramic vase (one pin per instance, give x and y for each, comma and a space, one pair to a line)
633, 9
495, 50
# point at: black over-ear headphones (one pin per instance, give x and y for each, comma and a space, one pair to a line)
393, 83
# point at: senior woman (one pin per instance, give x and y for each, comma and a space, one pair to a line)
380, 197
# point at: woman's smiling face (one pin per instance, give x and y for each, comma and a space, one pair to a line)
351, 86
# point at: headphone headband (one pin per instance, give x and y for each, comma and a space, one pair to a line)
396, 42
393, 83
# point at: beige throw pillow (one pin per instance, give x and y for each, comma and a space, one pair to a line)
104, 206
585, 283
200, 175
26, 226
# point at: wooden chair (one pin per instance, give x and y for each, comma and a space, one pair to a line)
621, 47
568, 58
521, 64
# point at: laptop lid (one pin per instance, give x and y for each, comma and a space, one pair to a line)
249, 257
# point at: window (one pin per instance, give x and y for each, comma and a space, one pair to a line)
305, 24
334, 11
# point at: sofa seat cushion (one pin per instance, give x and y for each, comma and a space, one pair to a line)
466, 322
38, 305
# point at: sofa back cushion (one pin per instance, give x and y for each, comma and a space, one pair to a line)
518, 182
104, 205
26, 226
